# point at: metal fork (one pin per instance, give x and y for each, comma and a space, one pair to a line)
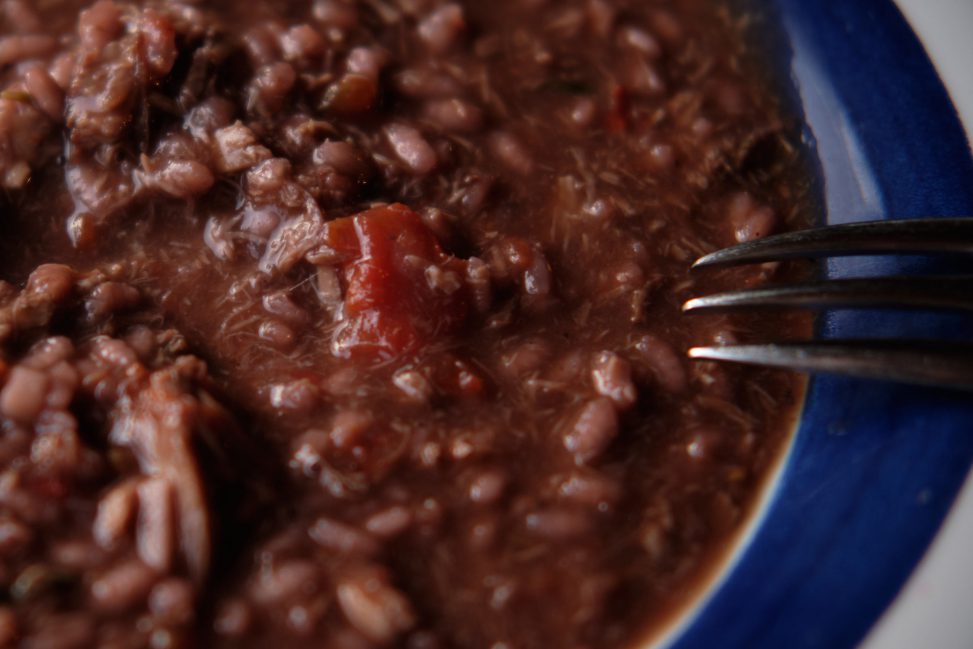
927, 362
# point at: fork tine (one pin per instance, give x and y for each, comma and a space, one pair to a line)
871, 237
917, 362
953, 293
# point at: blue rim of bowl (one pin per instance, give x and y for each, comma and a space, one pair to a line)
874, 468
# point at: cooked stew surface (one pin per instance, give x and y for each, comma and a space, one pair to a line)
356, 324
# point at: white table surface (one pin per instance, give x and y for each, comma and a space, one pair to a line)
935, 609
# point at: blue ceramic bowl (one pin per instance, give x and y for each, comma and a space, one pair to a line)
874, 467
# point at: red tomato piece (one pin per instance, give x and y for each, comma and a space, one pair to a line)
402, 289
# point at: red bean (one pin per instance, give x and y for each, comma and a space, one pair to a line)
583, 112
262, 45
158, 43
526, 358
454, 115
23, 396
301, 43
156, 527
109, 298
374, 607
612, 377
411, 148
423, 83
487, 486
641, 41
61, 69
45, 92
663, 362
22, 16
270, 87
171, 601
98, 24
14, 537
113, 352
660, 157
601, 17
749, 219
335, 14
299, 396
668, 27
233, 618
343, 157
21, 47
643, 79
351, 95
367, 61
280, 303
282, 583
558, 524
442, 28
343, 538
49, 284
705, 445
590, 489
123, 586
591, 430
483, 532
348, 427
511, 153
731, 98
116, 512
204, 119
277, 334
389, 522
78, 555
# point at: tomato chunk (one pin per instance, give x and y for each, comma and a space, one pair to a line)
401, 289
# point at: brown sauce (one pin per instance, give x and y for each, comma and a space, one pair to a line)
357, 324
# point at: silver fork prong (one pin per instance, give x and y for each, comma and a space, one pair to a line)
917, 362
950, 235
952, 293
